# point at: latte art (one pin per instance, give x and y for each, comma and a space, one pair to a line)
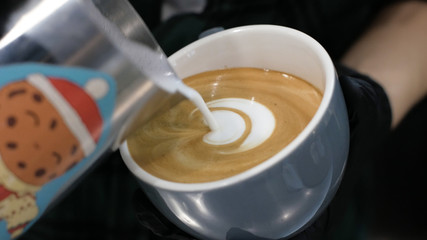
261, 125
231, 127
257, 113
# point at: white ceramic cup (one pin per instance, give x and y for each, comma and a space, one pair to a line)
282, 195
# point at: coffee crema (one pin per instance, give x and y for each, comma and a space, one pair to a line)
176, 146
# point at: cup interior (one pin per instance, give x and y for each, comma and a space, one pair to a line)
259, 46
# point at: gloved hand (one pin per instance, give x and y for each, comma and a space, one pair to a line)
370, 118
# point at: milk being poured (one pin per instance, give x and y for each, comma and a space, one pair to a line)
226, 126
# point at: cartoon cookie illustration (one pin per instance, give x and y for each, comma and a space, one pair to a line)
48, 125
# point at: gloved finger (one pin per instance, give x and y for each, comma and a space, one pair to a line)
370, 121
154, 221
368, 109
317, 230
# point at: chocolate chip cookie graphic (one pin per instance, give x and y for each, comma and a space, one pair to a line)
48, 125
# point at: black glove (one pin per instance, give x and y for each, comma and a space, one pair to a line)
152, 220
370, 118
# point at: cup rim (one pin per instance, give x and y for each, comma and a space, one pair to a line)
330, 85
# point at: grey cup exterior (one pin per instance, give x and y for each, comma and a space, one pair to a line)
275, 203
281, 196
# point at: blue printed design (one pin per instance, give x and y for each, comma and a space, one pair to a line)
81, 102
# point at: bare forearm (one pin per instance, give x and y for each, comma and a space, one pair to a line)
394, 53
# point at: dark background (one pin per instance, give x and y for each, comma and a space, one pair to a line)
100, 206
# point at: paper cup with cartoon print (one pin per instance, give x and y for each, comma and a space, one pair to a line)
70, 90
51, 122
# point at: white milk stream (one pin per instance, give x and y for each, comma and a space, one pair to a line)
226, 126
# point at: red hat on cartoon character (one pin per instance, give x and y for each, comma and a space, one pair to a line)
76, 104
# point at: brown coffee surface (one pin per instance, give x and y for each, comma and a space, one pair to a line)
171, 146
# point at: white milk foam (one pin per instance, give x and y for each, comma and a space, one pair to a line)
230, 123
227, 126
231, 127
